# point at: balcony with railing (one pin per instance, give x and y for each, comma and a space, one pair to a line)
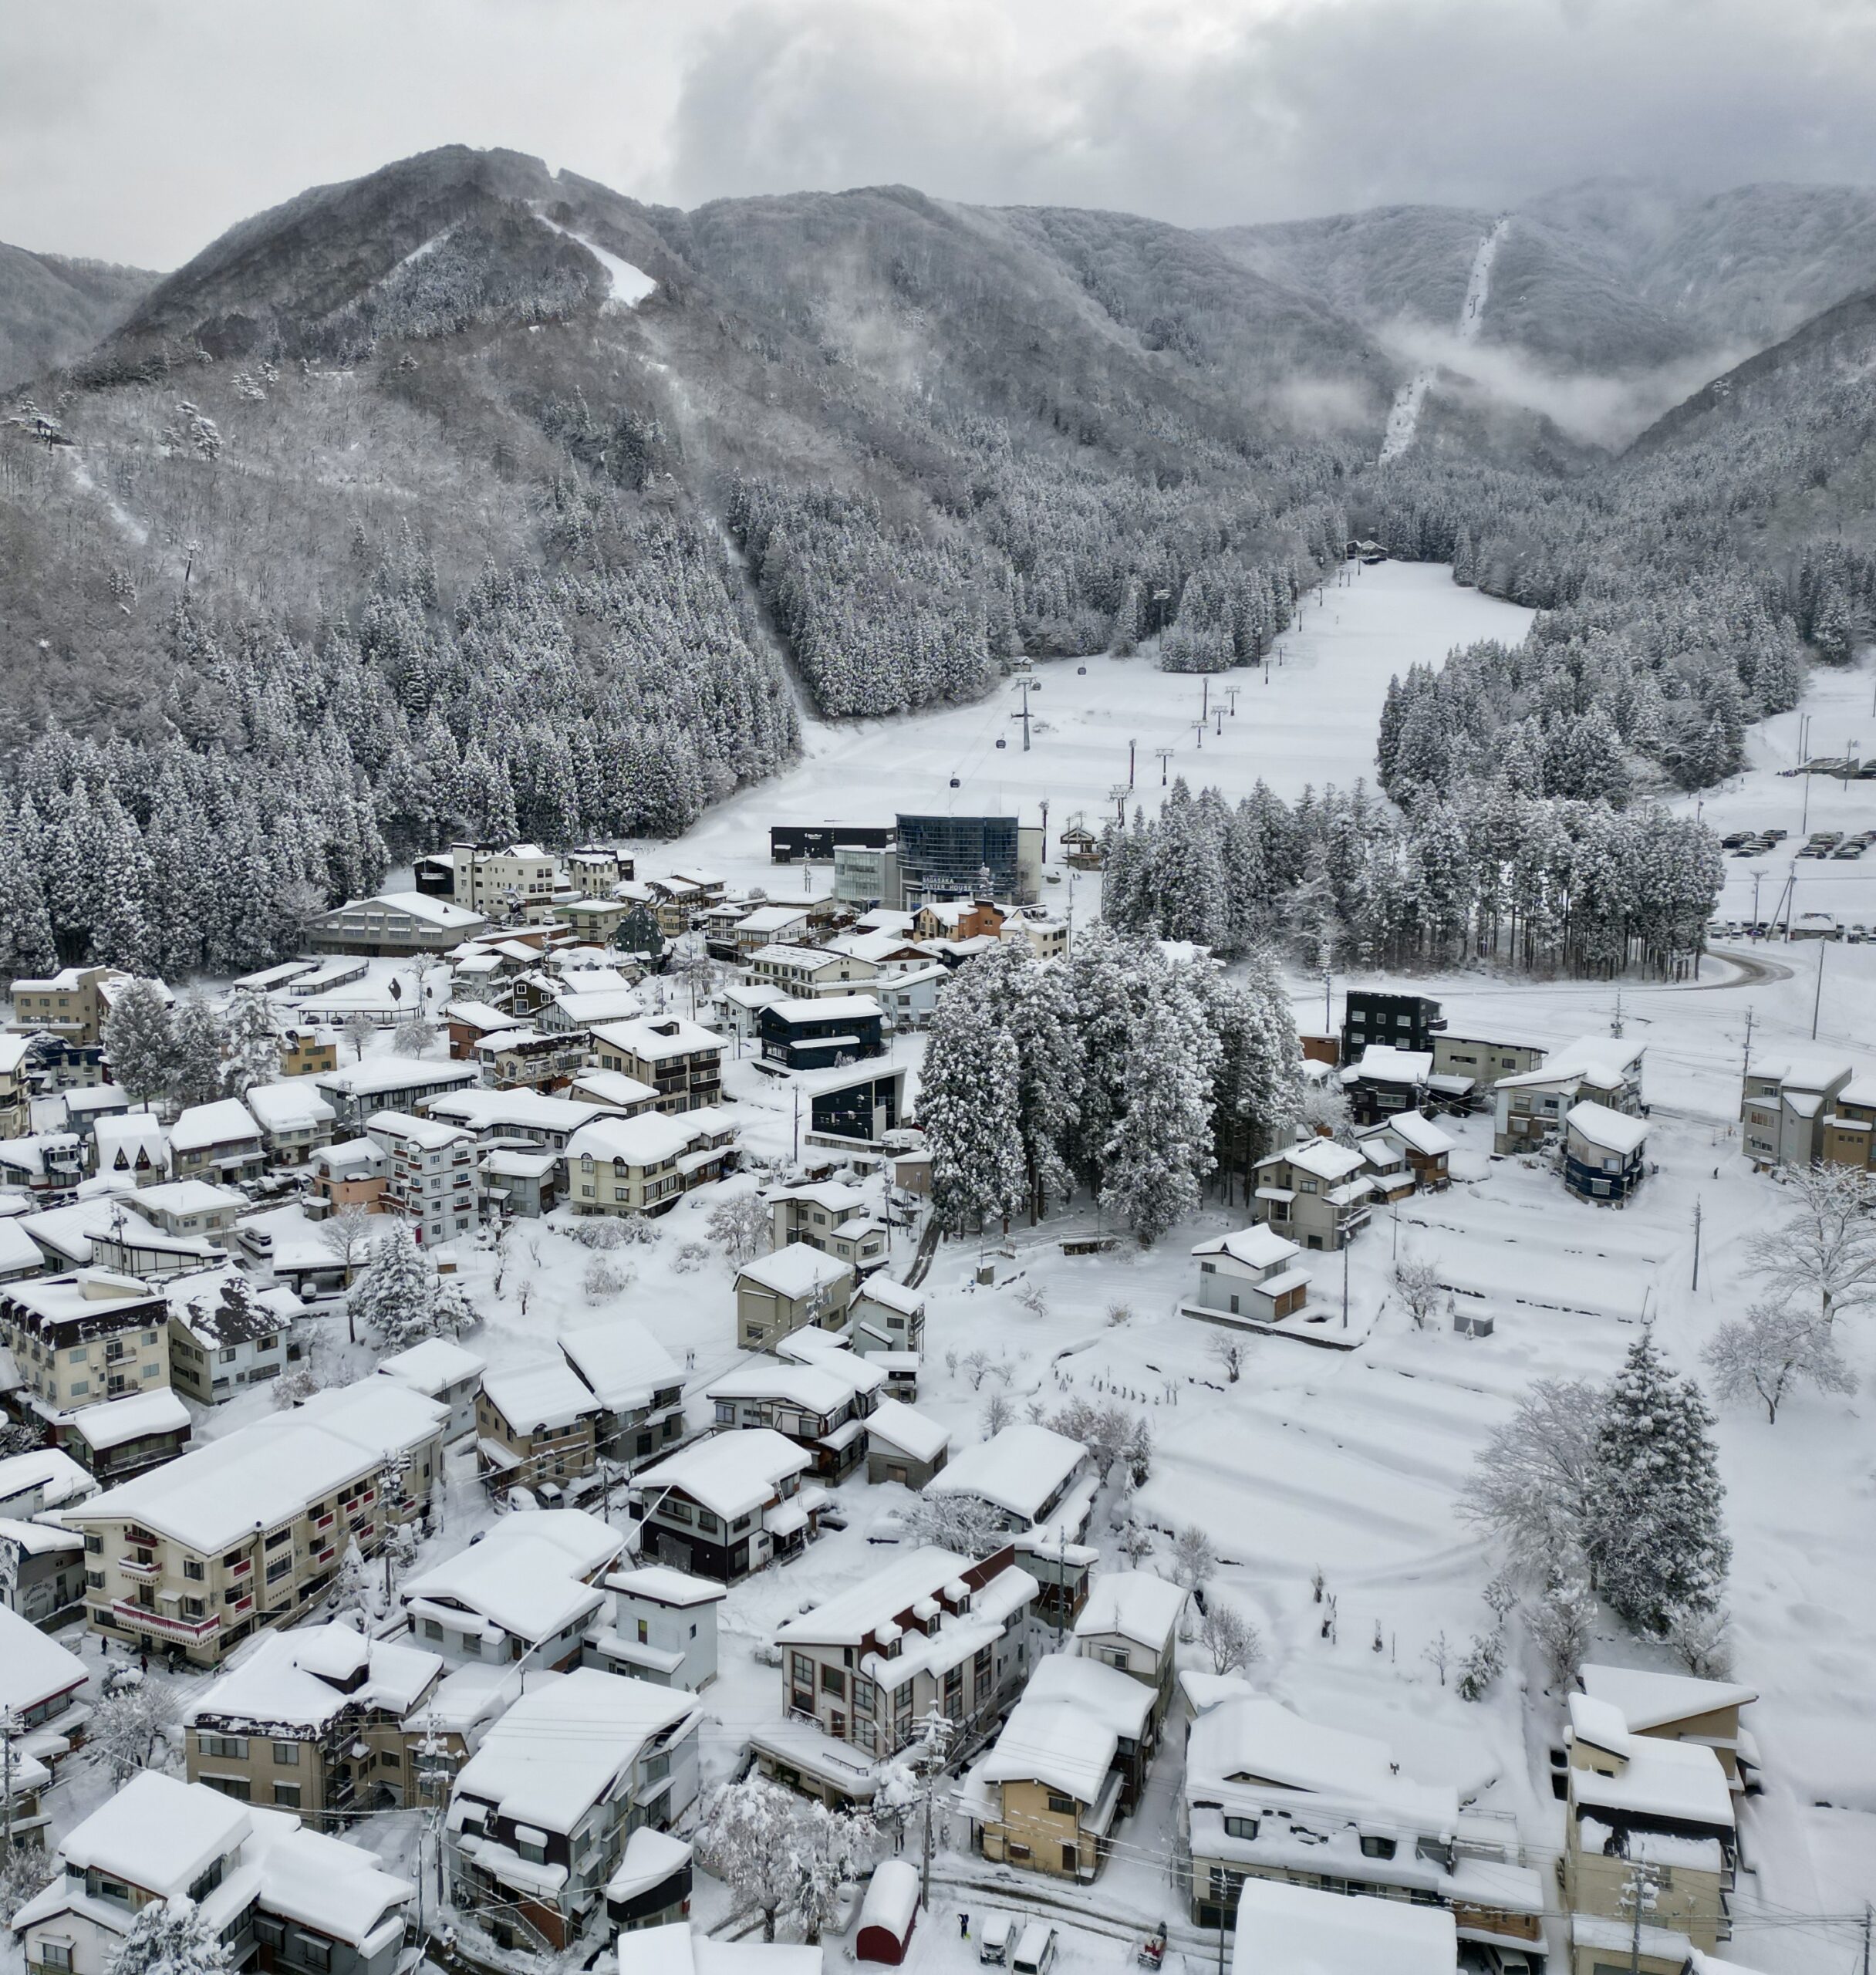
138, 1619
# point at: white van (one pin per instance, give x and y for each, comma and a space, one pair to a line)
1035, 1953
993, 1938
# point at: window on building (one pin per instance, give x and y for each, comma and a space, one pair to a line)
286, 1754
1377, 1848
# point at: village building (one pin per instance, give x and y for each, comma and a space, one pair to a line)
726, 1506
861, 1670
1426, 1150
529, 1058
47, 1165
304, 1052
908, 1000
638, 1385
1603, 1152
227, 1332
312, 1720
888, 1320
810, 972
1640, 1800
432, 1175
1383, 1080
1029, 1476
244, 1532
737, 1006
76, 1338
682, 1060
1250, 1276
41, 1572
831, 1216
20, 1255
508, 1118
441, 1369
1069, 1764
1130, 1622
133, 1150
118, 1438
822, 1406
275, 1894
1390, 1180
1373, 1016
1267, 1795
356, 1090
16, 1086
33, 1484
1481, 1061
1783, 1106
823, 1034
850, 1108
536, 1425
1316, 1194
191, 1206
539, 1815
71, 1004
788, 1290
1850, 1126
351, 1174
766, 925
499, 880
663, 1629
294, 1119
622, 1166
957, 919
470, 1022
41, 1686
1530, 1106
1047, 938
394, 924
526, 1592
904, 1445
86, 1110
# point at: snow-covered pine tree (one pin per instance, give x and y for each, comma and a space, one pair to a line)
968, 1103
198, 1065
139, 1036
396, 1294
1159, 1149
1657, 1537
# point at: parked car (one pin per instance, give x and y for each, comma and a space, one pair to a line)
1035, 1953
993, 1938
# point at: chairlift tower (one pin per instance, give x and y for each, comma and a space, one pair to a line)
1166, 755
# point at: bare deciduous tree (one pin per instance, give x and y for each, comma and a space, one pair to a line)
1828, 1247
1231, 1639
1418, 1285
1772, 1350
1530, 1485
1231, 1350
740, 1226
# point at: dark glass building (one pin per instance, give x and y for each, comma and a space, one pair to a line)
945, 857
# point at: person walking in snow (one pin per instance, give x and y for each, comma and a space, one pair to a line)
963, 1926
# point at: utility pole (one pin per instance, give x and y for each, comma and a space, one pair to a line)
798, 1124
1817, 993
1804, 758
1638, 1894
1615, 1024
1756, 876
1746, 1068
937, 1739
1696, 1280
10, 1726
1344, 1233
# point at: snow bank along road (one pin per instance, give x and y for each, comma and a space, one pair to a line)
1313, 721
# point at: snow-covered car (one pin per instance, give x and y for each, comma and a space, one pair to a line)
887, 1528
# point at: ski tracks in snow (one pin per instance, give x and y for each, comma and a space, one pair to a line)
1404, 417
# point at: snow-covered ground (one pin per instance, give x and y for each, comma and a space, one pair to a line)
1309, 718
1314, 1460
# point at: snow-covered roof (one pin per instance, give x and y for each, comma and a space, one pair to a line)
813, 1345
1017, 1470
533, 1397
33, 1667
1323, 1158
38, 1538
1133, 1605
430, 1134
891, 1295
662, 1584
484, 1017
650, 1858
432, 1366
795, 1271
18, 1252
49, 1473
1816, 1073
1605, 1060
259, 1475
1647, 1700
648, 1140
332, 1888
565, 1743
293, 1105
611, 1088
655, 1037
223, 1306
1615, 1130
678, 1950
772, 919
302, 1679
817, 1386
1288, 1929
1381, 1063
852, 1615
1258, 1247
158, 1832
482, 1111
115, 1422
829, 1007
528, 1576
190, 1196
374, 1075
1420, 1134
732, 1473
892, 1900
622, 1362
592, 1004
202, 1126
423, 905
1683, 1781
1064, 1729
893, 1424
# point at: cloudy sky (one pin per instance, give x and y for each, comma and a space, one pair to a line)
135, 130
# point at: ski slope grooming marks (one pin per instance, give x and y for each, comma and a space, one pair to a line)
1403, 418
629, 286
